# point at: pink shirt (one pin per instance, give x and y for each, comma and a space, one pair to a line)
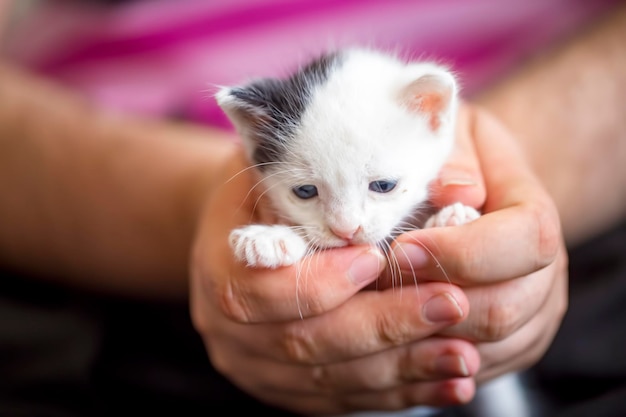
165, 58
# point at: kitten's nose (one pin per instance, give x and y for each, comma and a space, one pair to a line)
345, 233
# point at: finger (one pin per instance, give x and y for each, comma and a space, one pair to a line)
518, 234
448, 392
526, 346
384, 319
460, 179
359, 385
501, 309
424, 394
317, 284
444, 393
426, 360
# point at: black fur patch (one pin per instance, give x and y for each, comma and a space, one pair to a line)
277, 105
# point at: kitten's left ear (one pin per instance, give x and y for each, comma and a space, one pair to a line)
433, 95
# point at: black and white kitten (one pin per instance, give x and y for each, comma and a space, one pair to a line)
345, 149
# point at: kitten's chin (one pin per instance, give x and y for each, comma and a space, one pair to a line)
341, 243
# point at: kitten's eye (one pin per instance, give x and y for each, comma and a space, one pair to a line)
382, 186
305, 191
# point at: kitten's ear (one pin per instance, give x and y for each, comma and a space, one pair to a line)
433, 95
244, 106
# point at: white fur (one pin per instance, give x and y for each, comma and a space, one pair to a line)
270, 246
453, 215
357, 129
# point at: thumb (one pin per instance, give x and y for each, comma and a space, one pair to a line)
460, 179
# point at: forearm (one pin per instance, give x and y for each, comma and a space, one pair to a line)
567, 109
95, 199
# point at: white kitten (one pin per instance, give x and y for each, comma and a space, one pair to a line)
345, 149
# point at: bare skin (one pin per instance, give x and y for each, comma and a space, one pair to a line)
136, 207
567, 110
94, 194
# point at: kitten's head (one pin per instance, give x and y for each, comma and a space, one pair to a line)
346, 147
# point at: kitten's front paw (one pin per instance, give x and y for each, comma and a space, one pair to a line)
267, 246
452, 215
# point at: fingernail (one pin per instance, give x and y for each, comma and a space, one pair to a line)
366, 267
463, 394
410, 256
451, 365
442, 308
456, 177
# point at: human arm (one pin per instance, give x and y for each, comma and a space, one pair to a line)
86, 193
566, 107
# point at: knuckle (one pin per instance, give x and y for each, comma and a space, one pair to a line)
392, 329
199, 320
408, 368
220, 360
313, 301
547, 230
299, 344
232, 302
533, 354
322, 379
500, 322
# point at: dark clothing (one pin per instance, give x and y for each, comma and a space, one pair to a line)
71, 354
584, 370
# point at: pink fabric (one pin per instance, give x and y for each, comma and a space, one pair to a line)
165, 57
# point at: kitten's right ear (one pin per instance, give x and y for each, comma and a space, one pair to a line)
433, 95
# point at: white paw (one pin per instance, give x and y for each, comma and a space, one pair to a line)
267, 246
452, 215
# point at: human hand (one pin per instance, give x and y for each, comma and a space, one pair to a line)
305, 338
511, 262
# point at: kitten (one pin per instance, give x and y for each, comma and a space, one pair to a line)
345, 149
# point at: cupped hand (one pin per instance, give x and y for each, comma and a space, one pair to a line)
511, 262
305, 338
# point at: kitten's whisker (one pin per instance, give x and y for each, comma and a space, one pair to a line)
439, 265
250, 191
399, 247
385, 247
267, 189
306, 262
252, 167
298, 280
405, 226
